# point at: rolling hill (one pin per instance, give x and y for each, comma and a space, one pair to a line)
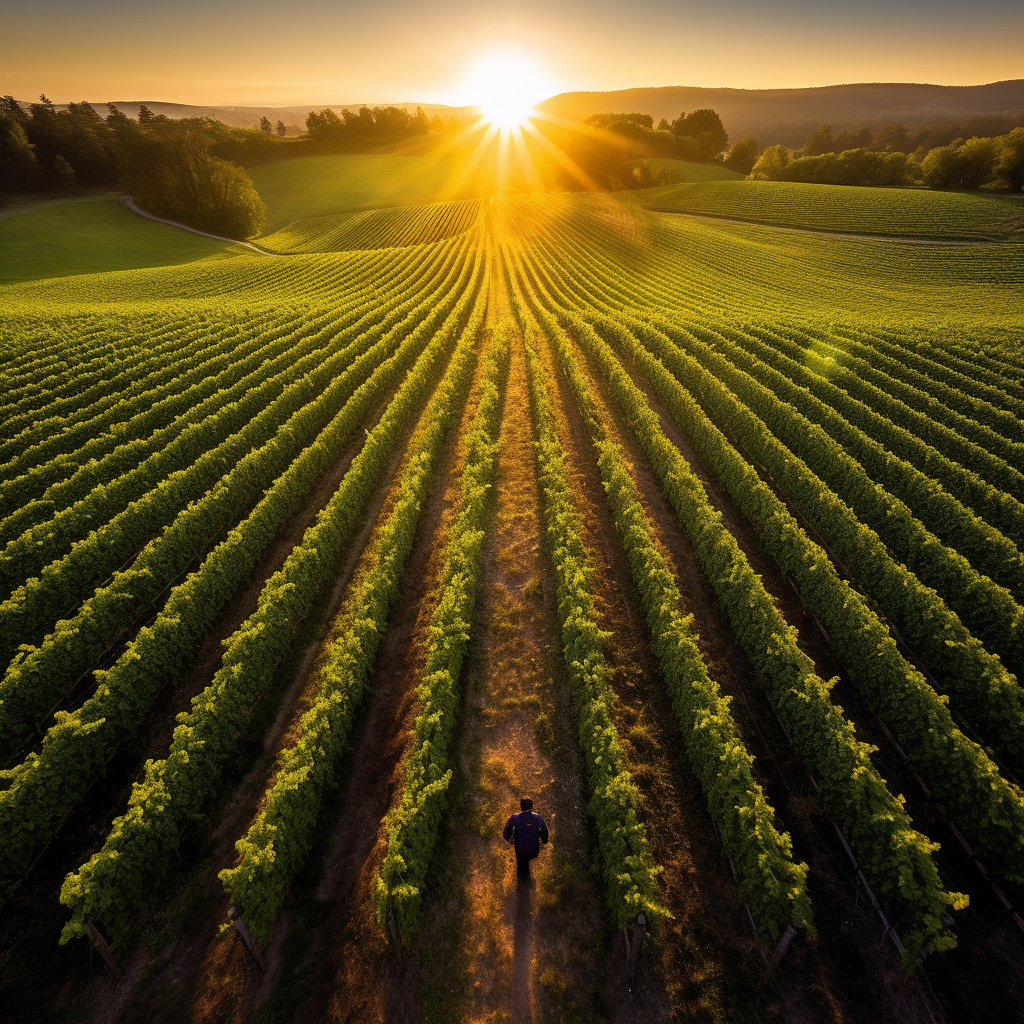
787, 115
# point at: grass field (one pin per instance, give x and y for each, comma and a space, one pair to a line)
875, 211
92, 235
312, 564
316, 186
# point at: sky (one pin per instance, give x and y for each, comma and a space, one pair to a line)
237, 52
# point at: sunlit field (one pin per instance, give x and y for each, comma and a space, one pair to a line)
693, 512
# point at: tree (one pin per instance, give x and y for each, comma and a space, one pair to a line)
64, 174
1010, 165
607, 120
146, 116
420, 125
664, 126
890, 139
19, 169
323, 125
743, 155
818, 142
281, 129
771, 164
960, 164
704, 122
453, 125
265, 126
437, 125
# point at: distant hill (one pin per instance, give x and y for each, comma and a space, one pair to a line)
787, 115
249, 117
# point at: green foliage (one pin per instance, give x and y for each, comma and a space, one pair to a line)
630, 872
988, 809
118, 878
743, 155
833, 208
202, 191
851, 167
414, 823
278, 841
986, 608
78, 747
610, 120
772, 885
365, 127
894, 855
962, 164
705, 128
1010, 165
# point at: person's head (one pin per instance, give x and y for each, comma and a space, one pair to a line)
526, 804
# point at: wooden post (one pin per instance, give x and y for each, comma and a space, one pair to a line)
250, 943
633, 947
100, 944
780, 950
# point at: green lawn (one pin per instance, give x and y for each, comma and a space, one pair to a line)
315, 186
876, 211
92, 235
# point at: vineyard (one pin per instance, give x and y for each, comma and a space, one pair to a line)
873, 211
706, 535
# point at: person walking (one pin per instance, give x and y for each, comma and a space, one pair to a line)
526, 831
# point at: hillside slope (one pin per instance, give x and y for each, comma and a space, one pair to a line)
787, 115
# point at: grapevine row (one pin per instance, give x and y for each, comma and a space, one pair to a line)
278, 841
412, 826
136, 854
988, 809
628, 867
33, 685
770, 882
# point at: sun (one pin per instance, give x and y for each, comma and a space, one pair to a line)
506, 88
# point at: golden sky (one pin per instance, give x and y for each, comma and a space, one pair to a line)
310, 51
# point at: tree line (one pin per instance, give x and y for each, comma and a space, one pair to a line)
613, 149
327, 130
886, 157
191, 169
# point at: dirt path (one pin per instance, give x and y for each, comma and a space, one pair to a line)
492, 950
195, 231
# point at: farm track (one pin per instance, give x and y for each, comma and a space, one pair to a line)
195, 231
529, 952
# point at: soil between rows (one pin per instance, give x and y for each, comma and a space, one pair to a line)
29, 939
164, 972
847, 974
859, 973
490, 949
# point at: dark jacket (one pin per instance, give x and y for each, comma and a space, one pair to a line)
529, 831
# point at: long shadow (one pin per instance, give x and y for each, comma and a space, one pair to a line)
522, 952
